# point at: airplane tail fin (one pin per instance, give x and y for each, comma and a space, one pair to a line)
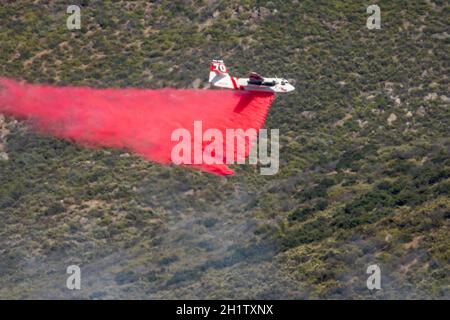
218, 75
217, 69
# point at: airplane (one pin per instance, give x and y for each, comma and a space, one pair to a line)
219, 77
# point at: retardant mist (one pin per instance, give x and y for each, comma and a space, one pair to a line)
139, 120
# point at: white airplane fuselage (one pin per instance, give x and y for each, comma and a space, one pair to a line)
219, 77
243, 84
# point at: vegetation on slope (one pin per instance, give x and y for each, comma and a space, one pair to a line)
364, 155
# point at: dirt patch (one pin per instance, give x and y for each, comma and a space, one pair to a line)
413, 243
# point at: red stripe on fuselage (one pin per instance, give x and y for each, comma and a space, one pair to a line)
233, 80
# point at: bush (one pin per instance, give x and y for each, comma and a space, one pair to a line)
125, 277
55, 208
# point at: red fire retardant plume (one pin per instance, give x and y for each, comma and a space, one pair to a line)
138, 120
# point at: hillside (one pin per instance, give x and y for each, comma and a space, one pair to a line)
364, 155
